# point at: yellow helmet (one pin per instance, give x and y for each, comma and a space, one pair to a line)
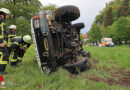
5, 10
27, 39
12, 27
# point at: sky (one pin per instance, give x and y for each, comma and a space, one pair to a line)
88, 9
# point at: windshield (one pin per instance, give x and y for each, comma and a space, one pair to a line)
110, 41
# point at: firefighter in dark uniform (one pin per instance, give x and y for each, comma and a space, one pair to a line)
4, 14
19, 46
22, 49
10, 34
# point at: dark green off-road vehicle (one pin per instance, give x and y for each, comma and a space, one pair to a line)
57, 40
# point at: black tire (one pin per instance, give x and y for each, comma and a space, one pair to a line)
67, 13
78, 25
52, 65
86, 54
77, 67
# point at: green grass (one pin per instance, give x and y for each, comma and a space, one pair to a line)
119, 56
28, 76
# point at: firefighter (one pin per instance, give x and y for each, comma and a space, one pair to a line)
22, 50
4, 14
10, 34
19, 46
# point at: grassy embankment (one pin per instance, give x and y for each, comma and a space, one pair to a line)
107, 64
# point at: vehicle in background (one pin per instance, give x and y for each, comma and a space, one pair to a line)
107, 42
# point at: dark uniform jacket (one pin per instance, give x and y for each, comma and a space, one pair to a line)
17, 42
3, 50
10, 35
2, 31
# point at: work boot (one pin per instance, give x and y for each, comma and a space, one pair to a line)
2, 69
14, 64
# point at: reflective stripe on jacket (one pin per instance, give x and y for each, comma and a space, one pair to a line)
10, 35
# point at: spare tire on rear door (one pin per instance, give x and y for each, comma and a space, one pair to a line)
67, 13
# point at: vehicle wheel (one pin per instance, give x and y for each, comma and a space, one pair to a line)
52, 65
67, 13
78, 25
77, 67
49, 68
88, 65
86, 54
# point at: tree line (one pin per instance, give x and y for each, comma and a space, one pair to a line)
113, 21
21, 13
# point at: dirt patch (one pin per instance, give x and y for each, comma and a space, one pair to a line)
96, 79
117, 74
121, 77
112, 61
125, 72
110, 81
121, 81
94, 61
39, 87
115, 79
114, 66
106, 68
125, 81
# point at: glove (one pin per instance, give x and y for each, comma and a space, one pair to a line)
13, 46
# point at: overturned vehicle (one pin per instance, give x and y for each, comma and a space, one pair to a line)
57, 40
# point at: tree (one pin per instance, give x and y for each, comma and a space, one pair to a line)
111, 32
95, 33
111, 22
108, 17
21, 13
50, 7
124, 9
123, 29
99, 19
82, 37
21, 8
